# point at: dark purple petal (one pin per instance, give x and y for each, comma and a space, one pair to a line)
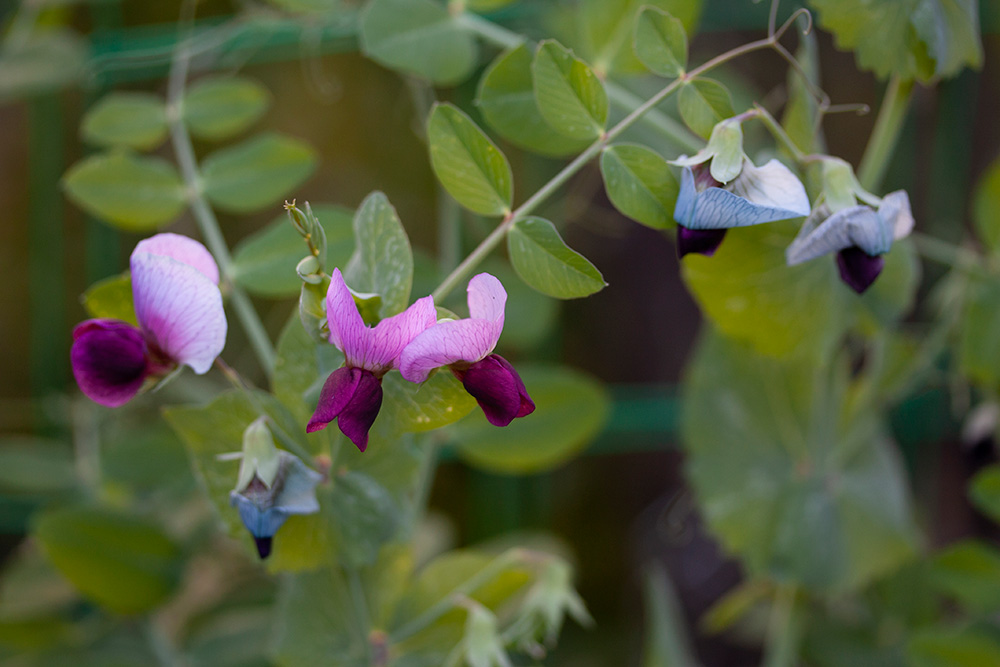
498, 389
353, 397
263, 546
701, 241
109, 361
858, 269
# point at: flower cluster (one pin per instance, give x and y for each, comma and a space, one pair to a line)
416, 343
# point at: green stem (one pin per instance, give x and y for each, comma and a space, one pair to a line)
497, 235
205, 217
884, 136
781, 649
779, 133
945, 253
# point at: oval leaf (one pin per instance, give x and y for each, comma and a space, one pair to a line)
544, 261
986, 207
221, 107
470, 167
265, 262
507, 101
660, 42
111, 298
703, 103
382, 262
256, 173
131, 192
570, 409
439, 401
984, 491
122, 562
979, 355
136, 120
420, 37
569, 95
640, 184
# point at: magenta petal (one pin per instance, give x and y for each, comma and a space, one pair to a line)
859, 269
179, 309
498, 389
446, 343
701, 241
109, 361
487, 299
353, 397
182, 248
391, 336
347, 330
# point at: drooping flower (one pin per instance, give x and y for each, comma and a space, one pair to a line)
272, 485
706, 208
859, 234
181, 322
353, 393
466, 347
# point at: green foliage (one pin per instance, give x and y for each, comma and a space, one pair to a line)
419, 37
801, 115
799, 485
45, 60
986, 207
544, 261
947, 647
130, 192
36, 467
470, 167
570, 409
703, 103
984, 492
264, 262
134, 120
382, 262
666, 635
969, 572
121, 561
979, 355
569, 95
111, 298
217, 108
660, 42
256, 173
640, 184
507, 101
749, 292
439, 401
911, 39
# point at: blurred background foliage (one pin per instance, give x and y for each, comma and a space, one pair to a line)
874, 560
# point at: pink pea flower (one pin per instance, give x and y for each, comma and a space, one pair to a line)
466, 347
353, 393
181, 322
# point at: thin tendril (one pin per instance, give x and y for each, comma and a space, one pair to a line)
772, 18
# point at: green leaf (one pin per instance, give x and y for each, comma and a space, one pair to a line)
749, 292
986, 207
256, 173
297, 368
703, 103
800, 484
32, 466
800, 118
382, 262
570, 409
133, 193
948, 647
135, 120
470, 167
120, 561
439, 401
264, 262
48, 59
984, 492
911, 39
660, 42
640, 184
569, 95
979, 355
487, 5
111, 298
367, 516
667, 641
544, 261
220, 107
420, 37
969, 572
507, 101
892, 295
530, 315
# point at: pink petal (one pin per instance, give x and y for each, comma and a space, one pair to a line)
179, 309
109, 361
487, 299
444, 344
347, 330
183, 249
391, 336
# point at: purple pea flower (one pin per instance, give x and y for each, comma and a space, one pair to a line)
466, 347
353, 393
181, 322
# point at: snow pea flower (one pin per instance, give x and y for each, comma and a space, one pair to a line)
272, 485
859, 234
353, 393
466, 347
181, 322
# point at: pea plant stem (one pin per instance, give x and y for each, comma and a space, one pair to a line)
204, 215
497, 235
885, 135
